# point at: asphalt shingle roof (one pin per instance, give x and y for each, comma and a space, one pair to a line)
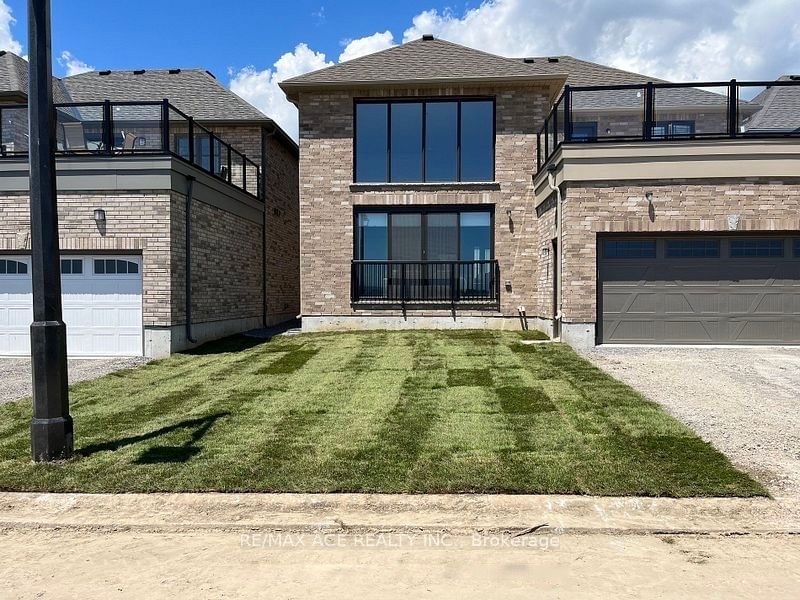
584, 73
781, 107
14, 78
419, 60
193, 91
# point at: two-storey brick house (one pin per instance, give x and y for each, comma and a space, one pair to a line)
441, 186
178, 212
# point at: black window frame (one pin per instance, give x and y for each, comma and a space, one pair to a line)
116, 261
630, 242
590, 125
771, 243
424, 211
668, 125
692, 248
71, 262
18, 264
423, 100
796, 247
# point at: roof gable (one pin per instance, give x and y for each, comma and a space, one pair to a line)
423, 60
14, 78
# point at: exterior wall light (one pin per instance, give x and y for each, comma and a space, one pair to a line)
649, 196
99, 215
508, 212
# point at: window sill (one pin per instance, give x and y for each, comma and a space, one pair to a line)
445, 186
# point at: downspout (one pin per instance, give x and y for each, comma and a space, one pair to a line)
559, 243
188, 270
264, 157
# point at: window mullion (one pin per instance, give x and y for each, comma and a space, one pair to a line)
424, 141
389, 142
458, 142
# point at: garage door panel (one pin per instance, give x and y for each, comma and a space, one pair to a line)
642, 304
103, 313
631, 331
693, 330
720, 299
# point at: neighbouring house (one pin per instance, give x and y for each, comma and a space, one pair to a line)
441, 186
178, 212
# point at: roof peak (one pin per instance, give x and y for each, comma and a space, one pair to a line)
423, 61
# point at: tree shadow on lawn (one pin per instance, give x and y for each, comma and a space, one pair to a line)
162, 454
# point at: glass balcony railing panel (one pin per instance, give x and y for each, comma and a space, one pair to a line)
14, 123
605, 114
179, 134
687, 112
237, 168
251, 182
80, 129
137, 127
770, 109
558, 122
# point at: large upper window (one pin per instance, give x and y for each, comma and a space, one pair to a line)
411, 141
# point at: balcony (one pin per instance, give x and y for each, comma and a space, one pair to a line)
124, 129
442, 284
664, 112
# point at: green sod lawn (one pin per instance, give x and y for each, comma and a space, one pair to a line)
474, 411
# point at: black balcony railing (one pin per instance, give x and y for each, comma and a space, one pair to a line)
133, 128
654, 112
400, 283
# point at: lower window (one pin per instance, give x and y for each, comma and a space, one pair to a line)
433, 254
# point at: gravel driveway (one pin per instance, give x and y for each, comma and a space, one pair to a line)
15, 373
745, 401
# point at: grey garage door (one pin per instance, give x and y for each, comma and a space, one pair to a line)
699, 290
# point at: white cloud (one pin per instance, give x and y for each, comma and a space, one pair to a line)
367, 45
260, 88
7, 41
681, 40
672, 39
72, 65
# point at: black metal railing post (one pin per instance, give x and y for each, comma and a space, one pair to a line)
229, 164
733, 108
555, 128
403, 284
211, 139
165, 125
191, 140
539, 151
108, 128
649, 110
567, 114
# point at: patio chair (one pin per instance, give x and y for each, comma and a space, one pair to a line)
129, 142
74, 136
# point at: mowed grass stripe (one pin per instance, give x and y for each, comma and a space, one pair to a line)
413, 411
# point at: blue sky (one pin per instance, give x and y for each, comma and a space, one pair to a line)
128, 34
252, 45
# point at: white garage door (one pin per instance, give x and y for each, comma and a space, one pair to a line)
102, 305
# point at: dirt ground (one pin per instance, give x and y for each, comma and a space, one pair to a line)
15, 373
743, 400
212, 564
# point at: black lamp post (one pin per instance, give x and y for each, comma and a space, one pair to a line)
51, 428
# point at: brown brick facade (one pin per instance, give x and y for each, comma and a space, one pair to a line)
328, 196
678, 206
135, 224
